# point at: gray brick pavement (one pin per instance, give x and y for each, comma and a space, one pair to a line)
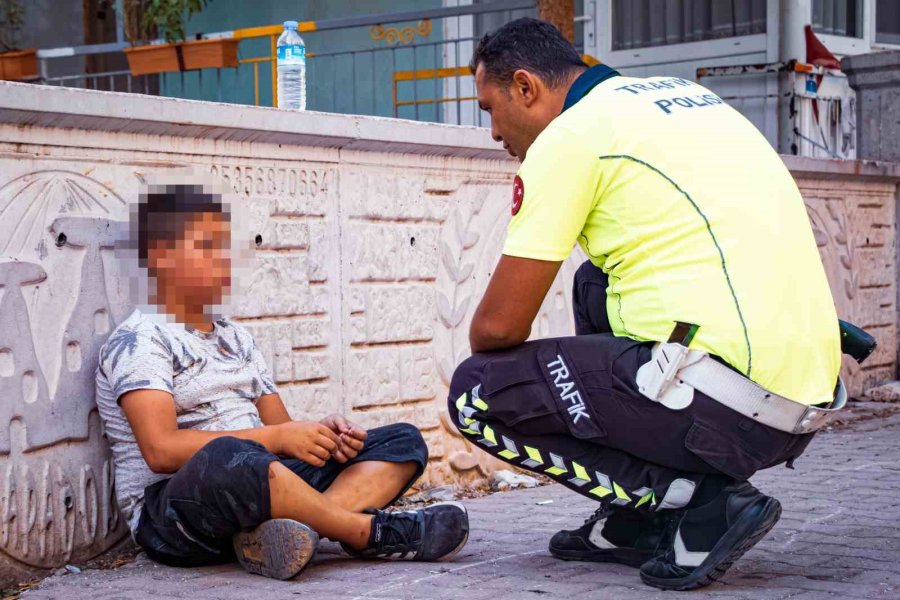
838, 538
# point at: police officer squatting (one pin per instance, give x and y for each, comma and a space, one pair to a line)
707, 343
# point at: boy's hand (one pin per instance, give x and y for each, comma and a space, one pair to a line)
352, 437
309, 441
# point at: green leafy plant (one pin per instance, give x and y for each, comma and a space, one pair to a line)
12, 15
143, 18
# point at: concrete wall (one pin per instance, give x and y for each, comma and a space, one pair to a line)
852, 206
876, 79
378, 239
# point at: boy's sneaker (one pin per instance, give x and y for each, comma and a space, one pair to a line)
279, 548
433, 533
709, 538
612, 535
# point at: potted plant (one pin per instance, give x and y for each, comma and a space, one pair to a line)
169, 15
143, 18
15, 64
140, 28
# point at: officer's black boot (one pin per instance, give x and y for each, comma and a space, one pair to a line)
612, 535
708, 539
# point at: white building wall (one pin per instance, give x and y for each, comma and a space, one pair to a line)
755, 95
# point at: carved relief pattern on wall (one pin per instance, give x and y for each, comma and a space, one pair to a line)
56, 476
855, 233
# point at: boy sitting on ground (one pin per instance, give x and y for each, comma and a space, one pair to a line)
209, 465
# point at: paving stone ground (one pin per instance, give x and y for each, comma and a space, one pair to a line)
838, 538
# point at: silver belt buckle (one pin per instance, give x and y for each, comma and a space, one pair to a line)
814, 418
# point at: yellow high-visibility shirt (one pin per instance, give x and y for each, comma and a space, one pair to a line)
694, 217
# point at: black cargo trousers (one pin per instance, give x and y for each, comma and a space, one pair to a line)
569, 408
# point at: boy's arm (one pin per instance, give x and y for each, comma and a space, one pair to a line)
165, 447
271, 409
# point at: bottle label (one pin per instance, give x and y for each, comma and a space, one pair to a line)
294, 53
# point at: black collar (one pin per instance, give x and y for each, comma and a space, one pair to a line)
586, 82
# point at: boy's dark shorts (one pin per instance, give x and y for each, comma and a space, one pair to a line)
188, 520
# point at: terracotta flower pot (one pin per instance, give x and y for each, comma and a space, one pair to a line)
210, 54
20, 65
159, 58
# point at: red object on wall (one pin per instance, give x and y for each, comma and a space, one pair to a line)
817, 53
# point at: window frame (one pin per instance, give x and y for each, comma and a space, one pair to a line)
600, 45
845, 46
873, 30
611, 21
598, 40
866, 9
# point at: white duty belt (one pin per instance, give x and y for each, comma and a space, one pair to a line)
675, 371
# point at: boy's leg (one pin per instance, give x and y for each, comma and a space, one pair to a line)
392, 459
433, 533
233, 486
229, 486
293, 498
354, 490
394, 456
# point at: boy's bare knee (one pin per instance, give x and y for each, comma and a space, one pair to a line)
277, 470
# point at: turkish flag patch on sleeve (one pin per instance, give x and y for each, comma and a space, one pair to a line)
518, 195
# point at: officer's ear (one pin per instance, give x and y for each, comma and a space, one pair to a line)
526, 86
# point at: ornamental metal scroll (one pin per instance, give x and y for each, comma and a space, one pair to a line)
403, 36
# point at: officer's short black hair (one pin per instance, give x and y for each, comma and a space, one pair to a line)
535, 46
165, 211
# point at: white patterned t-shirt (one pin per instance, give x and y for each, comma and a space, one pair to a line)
215, 379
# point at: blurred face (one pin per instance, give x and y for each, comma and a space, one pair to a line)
519, 111
196, 267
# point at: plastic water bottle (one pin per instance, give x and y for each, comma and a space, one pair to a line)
291, 68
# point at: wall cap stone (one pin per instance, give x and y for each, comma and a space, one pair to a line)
27, 105
875, 69
117, 112
822, 168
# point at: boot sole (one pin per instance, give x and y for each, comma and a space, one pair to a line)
279, 548
742, 536
630, 558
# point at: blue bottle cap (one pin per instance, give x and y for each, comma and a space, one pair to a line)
290, 24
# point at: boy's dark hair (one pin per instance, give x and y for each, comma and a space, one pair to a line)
163, 213
536, 46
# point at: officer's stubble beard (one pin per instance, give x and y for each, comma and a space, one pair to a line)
532, 106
